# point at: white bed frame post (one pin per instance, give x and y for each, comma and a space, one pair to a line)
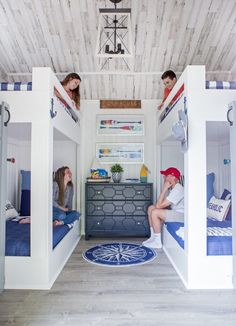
233, 181
41, 175
195, 177
41, 268
196, 269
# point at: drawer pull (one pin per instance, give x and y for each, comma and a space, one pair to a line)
139, 192
99, 208
98, 223
138, 223
139, 207
98, 192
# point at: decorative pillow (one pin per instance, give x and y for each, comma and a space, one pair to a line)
210, 188
218, 208
226, 196
25, 193
25, 180
10, 211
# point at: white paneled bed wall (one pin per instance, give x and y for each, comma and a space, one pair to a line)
38, 122
208, 147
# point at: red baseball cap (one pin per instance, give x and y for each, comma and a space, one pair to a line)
171, 171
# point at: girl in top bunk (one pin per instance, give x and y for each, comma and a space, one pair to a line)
169, 80
168, 208
62, 198
71, 84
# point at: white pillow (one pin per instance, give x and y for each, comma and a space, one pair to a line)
218, 208
10, 211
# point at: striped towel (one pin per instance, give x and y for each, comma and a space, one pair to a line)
219, 232
16, 86
221, 84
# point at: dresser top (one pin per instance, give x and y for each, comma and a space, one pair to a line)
120, 183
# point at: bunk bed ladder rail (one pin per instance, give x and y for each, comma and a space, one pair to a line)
52, 112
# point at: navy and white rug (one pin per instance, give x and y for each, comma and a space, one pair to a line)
119, 254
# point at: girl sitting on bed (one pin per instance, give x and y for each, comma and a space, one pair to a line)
71, 85
62, 198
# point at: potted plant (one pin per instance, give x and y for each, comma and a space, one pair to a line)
116, 171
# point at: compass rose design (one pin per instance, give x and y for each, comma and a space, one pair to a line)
119, 254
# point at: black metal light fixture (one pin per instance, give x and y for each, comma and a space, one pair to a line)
114, 32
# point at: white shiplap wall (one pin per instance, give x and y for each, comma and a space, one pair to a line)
90, 109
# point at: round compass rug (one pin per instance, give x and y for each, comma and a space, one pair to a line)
119, 254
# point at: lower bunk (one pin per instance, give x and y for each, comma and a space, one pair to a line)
18, 238
215, 267
219, 236
30, 272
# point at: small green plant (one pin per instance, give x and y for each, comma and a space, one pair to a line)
116, 168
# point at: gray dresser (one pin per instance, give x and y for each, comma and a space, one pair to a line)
117, 209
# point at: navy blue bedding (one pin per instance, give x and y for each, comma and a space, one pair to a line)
18, 238
216, 245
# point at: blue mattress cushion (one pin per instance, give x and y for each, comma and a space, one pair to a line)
172, 227
227, 195
221, 84
25, 193
18, 238
17, 86
219, 245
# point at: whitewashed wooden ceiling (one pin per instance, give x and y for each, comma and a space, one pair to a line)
167, 34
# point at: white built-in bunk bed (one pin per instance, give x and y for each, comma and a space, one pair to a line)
196, 268
48, 118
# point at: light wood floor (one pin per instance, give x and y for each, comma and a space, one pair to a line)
87, 295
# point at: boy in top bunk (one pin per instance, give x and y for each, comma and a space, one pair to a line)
71, 84
168, 208
62, 198
169, 81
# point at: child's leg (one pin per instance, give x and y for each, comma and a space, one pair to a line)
71, 217
58, 214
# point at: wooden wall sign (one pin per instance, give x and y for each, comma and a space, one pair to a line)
120, 104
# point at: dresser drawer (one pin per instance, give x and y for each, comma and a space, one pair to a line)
129, 224
105, 223
118, 207
119, 191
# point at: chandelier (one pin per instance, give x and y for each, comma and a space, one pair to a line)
114, 39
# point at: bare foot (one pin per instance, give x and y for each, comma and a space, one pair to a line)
56, 223
25, 220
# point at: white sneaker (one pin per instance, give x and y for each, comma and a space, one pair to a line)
154, 244
147, 241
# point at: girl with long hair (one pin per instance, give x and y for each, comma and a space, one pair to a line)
71, 84
62, 197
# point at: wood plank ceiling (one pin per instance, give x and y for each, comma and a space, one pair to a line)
167, 34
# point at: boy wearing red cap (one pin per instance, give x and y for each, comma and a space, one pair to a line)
168, 208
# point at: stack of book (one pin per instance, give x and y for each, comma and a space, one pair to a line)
107, 179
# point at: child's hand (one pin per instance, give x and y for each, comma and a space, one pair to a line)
167, 185
160, 106
73, 103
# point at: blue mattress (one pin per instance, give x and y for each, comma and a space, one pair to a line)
220, 85
18, 238
18, 86
216, 245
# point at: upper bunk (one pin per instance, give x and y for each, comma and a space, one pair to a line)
36, 102
199, 99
